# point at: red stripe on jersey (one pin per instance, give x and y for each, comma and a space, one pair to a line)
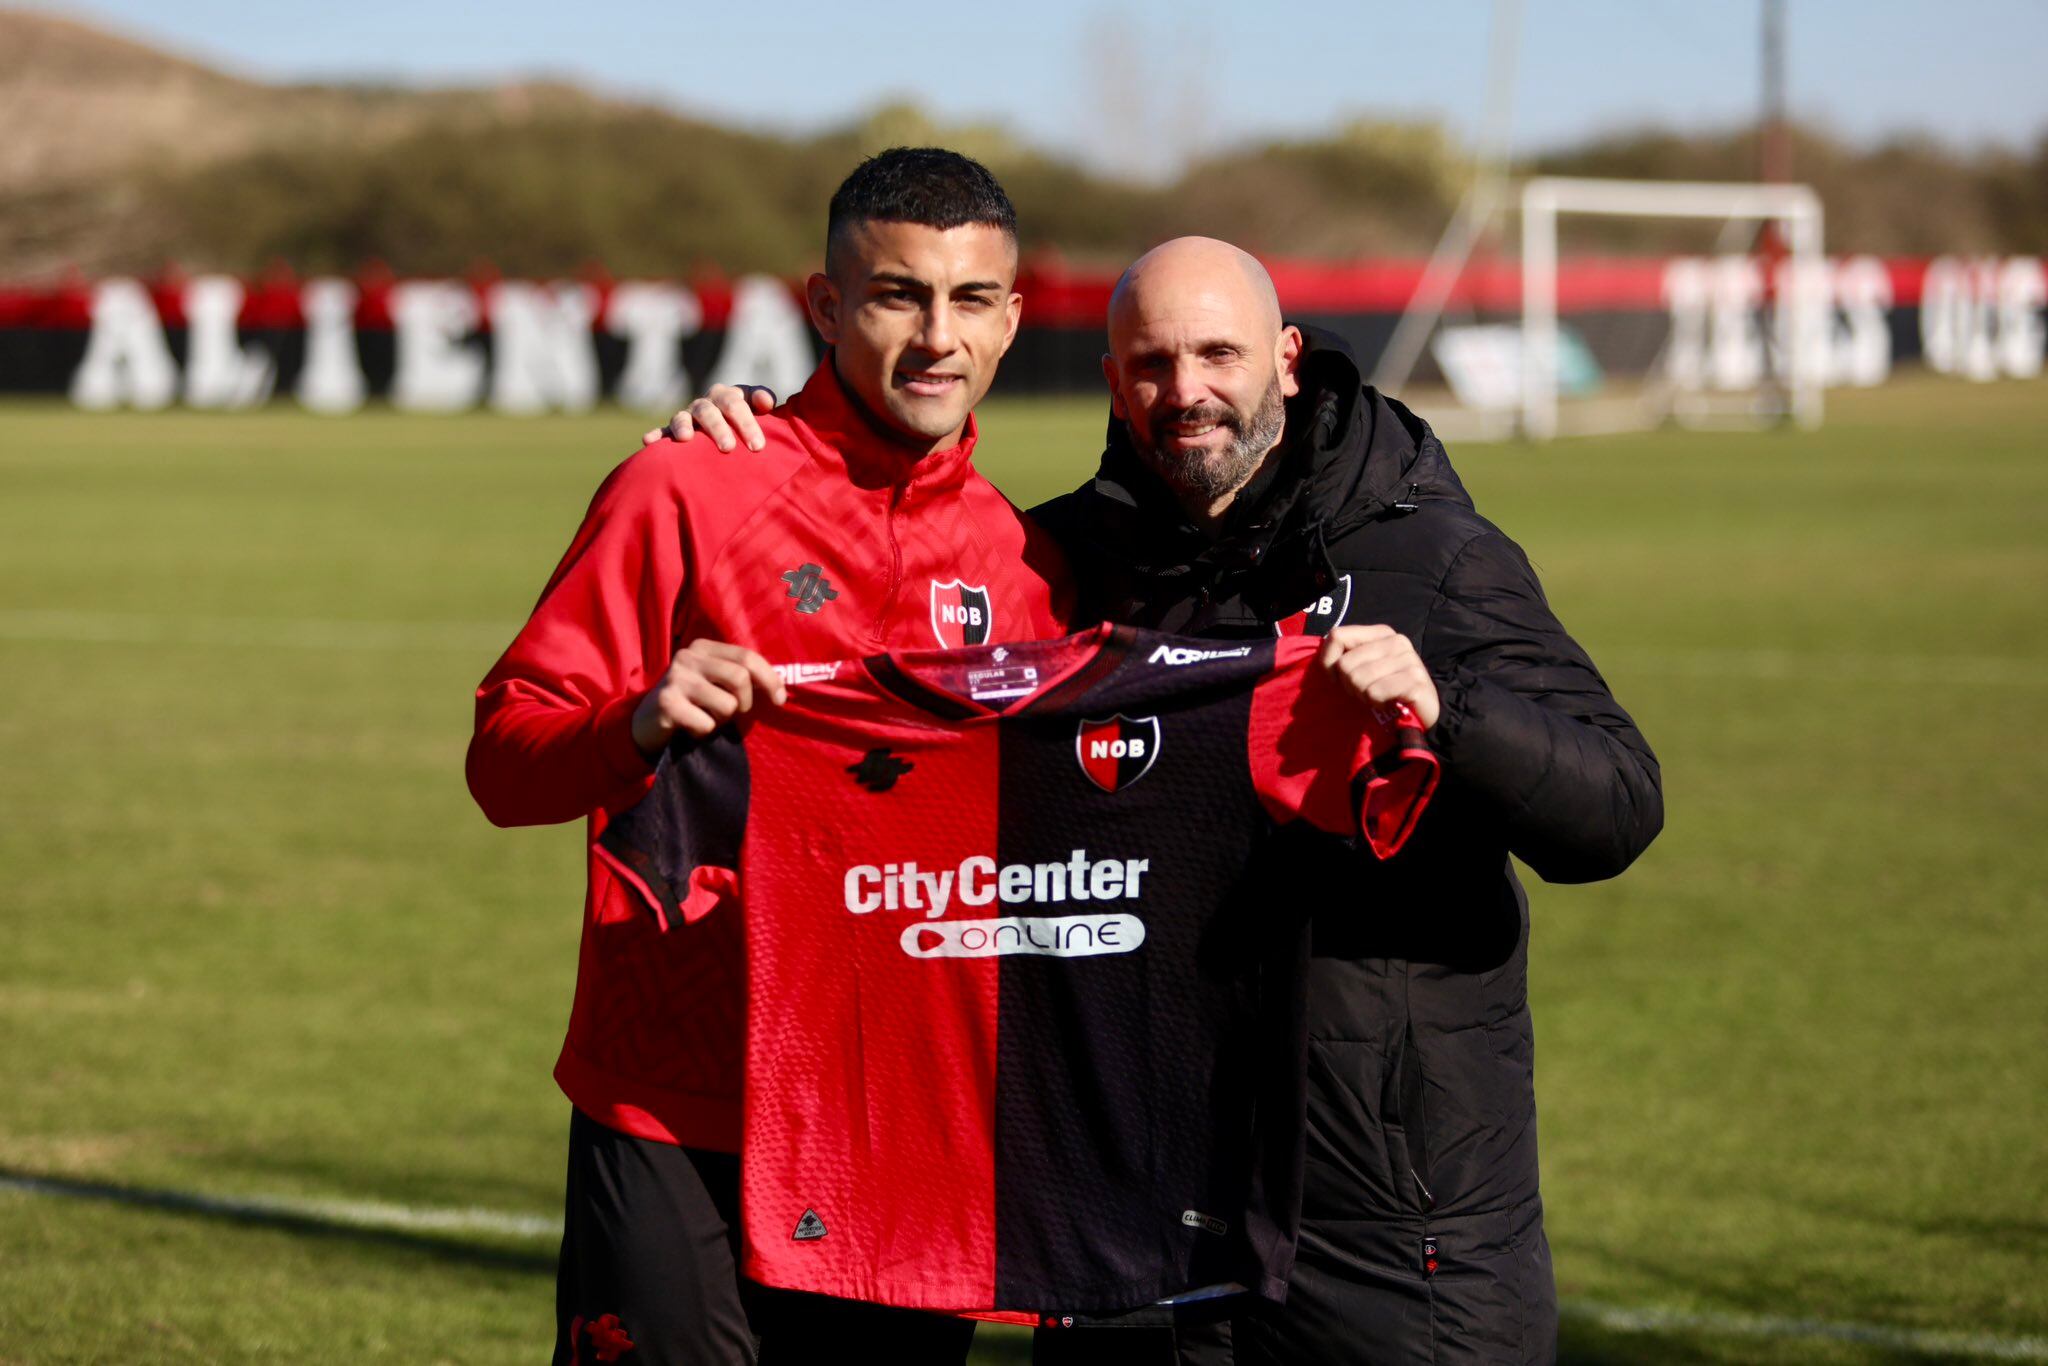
1294, 706
867, 1158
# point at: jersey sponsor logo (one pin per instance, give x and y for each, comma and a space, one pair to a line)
797, 675
1173, 656
1116, 752
810, 1228
878, 769
961, 613
979, 881
809, 586
1063, 936
1320, 617
1208, 1223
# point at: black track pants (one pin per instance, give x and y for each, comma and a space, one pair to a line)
649, 1274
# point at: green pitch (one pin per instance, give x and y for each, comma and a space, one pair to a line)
259, 945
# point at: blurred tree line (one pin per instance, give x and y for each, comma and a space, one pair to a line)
642, 191
122, 158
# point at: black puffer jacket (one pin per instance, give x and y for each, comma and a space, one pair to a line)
1422, 1230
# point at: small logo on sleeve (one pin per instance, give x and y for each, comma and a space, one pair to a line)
961, 613
1116, 752
810, 1228
607, 1338
878, 769
809, 586
1208, 1223
1320, 617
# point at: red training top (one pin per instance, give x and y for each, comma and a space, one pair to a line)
833, 541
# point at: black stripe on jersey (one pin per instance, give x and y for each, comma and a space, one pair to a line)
1140, 683
1101, 1153
696, 817
1114, 651
914, 690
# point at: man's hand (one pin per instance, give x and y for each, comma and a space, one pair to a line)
707, 684
726, 410
1379, 664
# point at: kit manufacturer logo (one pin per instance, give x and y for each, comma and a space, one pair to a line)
878, 769
1116, 752
961, 613
809, 586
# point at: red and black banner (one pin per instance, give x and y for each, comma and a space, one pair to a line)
332, 344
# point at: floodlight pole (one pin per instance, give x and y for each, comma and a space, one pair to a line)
1478, 212
1774, 146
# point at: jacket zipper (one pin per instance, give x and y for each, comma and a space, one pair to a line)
881, 632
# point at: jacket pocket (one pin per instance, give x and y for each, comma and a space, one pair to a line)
1406, 1123
1352, 1169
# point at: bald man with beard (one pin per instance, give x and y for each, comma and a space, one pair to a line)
1252, 483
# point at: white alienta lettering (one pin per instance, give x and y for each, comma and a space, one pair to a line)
1175, 655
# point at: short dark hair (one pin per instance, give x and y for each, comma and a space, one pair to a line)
926, 185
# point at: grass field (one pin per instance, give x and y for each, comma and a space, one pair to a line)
259, 944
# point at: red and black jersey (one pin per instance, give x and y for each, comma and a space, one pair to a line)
1020, 1035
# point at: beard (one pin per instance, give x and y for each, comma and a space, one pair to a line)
1210, 475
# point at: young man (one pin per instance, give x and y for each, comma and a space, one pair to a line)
861, 525
1253, 483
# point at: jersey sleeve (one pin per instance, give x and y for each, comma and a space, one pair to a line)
554, 717
1322, 755
678, 848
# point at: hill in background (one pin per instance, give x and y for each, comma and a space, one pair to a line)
119, 157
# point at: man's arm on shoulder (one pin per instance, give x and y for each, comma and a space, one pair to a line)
728, 414
1528, 722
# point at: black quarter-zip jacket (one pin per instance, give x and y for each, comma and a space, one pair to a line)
1422, 1226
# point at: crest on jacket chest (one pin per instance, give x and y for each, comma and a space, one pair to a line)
962, 613
1324, 613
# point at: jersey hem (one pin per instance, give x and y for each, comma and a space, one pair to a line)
684, 1119
1093, 1301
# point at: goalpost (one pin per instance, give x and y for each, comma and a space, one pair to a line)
1796, 362
1727, 338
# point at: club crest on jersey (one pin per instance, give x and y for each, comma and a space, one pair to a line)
1117, 752
1320, 617
961, 613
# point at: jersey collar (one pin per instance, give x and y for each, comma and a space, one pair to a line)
834, 428
1089, 655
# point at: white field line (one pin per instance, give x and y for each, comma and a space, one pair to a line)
1931, 1342
397, 1218
365, 1214
1916, 670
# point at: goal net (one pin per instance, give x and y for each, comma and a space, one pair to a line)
1722, 321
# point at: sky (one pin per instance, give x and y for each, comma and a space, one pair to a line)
1139, 85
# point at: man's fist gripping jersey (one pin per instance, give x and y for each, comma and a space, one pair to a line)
1022, 1031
